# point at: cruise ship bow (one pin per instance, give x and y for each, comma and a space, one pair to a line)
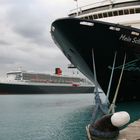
116, 52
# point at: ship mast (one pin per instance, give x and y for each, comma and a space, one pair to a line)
111, 3
77, 7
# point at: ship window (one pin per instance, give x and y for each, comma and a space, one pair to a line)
95, 16
105, 14
110, 14
87, 24
135, 33
115, 13
120, 12
100, 15
53, 28
118, 29
132, 11
114, 28
126, 12
90, 17
138, 10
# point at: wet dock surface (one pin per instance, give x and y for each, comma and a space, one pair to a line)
131, 132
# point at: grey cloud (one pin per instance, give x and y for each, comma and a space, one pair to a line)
31, 57
25, 35
29, 21
4, 60
2, 42
13, 2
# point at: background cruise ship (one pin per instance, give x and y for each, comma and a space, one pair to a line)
24, 82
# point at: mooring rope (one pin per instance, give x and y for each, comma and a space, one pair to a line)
99, 107
111, 76
112, 106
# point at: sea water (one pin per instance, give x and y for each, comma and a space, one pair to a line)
45, 117
51, 117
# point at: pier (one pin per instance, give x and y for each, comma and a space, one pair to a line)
131, 132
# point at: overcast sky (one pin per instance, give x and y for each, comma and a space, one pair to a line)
25, 39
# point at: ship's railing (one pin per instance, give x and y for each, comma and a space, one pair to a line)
102, 3
92, 5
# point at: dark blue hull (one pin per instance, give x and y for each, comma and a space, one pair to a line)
6, 88
77, 38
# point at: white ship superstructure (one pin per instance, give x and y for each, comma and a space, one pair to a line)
23, 82
31, 77
126, 12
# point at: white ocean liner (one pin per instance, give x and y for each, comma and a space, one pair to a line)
29, 82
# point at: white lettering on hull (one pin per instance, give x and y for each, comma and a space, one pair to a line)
133, 40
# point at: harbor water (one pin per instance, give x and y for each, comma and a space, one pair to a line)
50, 116
45, 117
